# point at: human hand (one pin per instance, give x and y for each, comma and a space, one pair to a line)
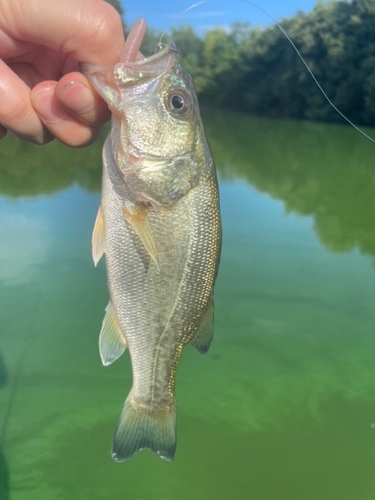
42, 93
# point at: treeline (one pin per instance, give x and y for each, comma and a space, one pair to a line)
254, 69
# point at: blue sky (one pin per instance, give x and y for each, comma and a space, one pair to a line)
158, 13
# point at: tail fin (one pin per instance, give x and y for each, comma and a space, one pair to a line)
140, 428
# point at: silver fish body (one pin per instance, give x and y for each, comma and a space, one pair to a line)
161, 228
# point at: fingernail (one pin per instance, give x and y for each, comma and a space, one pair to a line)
77, 97
47, 107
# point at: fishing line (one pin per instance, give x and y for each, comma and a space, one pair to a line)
177, 16
294, 47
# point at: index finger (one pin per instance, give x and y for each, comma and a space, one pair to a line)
90, 30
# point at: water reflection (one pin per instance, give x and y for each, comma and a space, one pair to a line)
27, 170
3, 372
288, 384
321, 170
28, 238
326, 171
4, 475
4, 478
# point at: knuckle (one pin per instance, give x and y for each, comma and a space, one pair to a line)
15, 110
107, 25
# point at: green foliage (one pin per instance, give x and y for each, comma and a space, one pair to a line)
27, 170
117, 5
323, 171
190, 49
150, 40
4, 477
257, 70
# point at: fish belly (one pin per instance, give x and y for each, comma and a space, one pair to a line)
160, 310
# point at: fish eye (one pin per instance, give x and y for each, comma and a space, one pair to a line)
179, 102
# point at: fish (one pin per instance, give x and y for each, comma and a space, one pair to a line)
159, 227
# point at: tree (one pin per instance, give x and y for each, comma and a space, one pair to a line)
117, 5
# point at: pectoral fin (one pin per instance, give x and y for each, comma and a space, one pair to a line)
142, 227
111, 342
202, 339
98, 247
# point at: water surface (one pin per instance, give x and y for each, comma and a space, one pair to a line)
283, 404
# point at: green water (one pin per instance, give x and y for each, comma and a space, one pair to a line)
281, 407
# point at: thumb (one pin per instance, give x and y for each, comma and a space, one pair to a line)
90, 30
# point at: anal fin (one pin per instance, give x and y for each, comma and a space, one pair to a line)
111, 341
98, 247
141, 225
203, 338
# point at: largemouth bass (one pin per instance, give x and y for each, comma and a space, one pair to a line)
159, 227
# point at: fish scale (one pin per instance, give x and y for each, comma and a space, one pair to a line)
159, 227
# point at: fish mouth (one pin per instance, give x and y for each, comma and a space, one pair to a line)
128, 74
109, 81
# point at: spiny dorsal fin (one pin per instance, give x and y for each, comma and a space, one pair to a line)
142, 227
202, 339
98, 247
111, 342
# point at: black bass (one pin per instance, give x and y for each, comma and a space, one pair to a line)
159, 227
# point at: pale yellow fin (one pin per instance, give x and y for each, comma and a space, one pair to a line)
111, 341
142, 227
202, 339
98, 247
142, 427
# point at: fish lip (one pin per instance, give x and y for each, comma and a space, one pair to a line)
132, 73
168, 48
